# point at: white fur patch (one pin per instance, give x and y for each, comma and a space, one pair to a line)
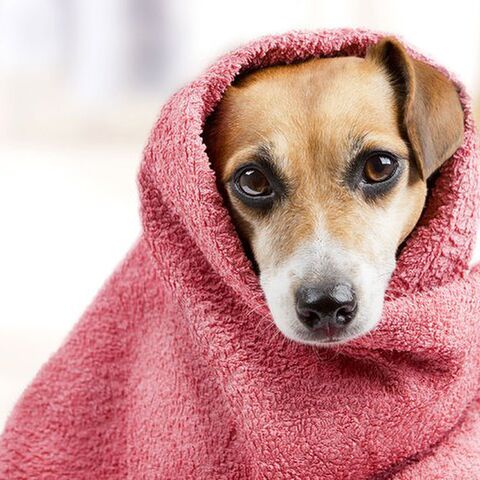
323, 259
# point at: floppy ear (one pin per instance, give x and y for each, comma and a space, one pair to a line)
430, 112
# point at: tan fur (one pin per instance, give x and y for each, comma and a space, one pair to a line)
314, 116
430, 111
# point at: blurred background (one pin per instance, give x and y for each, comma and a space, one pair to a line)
81, 83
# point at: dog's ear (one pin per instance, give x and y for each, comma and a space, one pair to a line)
429, 108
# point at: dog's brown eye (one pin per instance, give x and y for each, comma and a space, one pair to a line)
379, 167
254, 183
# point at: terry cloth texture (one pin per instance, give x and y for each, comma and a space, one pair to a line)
174, 372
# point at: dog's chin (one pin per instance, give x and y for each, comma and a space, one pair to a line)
300, 334
365, 321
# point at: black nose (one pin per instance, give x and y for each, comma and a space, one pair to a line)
326, 307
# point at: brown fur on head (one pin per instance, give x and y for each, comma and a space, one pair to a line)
313, 129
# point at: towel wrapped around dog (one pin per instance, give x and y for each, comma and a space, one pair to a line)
174, 371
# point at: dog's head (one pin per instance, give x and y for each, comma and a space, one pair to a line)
324, 167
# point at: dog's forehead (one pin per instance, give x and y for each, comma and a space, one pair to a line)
322, 103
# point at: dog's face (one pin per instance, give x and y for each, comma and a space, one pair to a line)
324, 165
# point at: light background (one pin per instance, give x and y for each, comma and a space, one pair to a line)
81, 82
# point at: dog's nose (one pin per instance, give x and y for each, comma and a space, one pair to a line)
326, 307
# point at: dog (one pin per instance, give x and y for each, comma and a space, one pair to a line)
324, 166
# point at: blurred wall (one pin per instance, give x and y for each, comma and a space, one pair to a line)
81, 82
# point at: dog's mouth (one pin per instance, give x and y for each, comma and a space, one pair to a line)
316, 339
326, 313
327, 337
337, 322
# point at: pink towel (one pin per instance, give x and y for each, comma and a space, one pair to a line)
176, 372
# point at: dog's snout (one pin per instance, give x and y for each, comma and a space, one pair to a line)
326, 307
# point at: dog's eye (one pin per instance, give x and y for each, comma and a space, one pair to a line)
254, 183
379, 167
